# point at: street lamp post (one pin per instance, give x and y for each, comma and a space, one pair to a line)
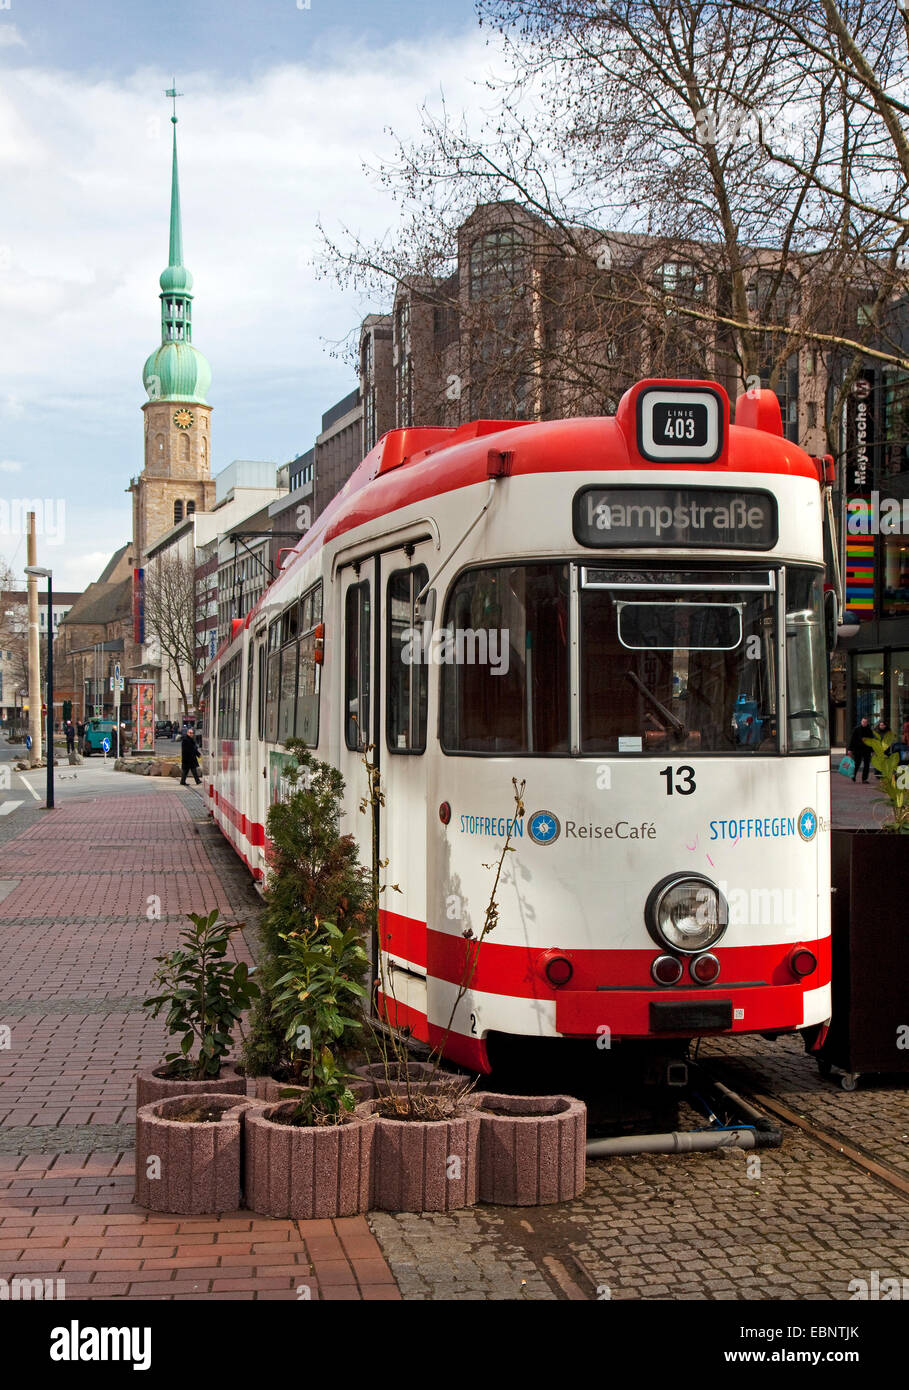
38, 572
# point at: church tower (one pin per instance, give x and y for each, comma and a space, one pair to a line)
176, 480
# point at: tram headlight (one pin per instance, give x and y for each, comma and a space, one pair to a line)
686, 912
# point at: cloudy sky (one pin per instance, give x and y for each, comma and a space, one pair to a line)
283, 104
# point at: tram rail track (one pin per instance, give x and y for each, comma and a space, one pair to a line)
853, 1153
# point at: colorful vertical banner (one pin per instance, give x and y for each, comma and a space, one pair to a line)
139, 605
860, 477
144, 707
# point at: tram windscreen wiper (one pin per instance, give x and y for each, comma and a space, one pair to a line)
674, 723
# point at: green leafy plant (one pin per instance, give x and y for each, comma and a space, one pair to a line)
314, 879
312, 1001
205, 995
894, 782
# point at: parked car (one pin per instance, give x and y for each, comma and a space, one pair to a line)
163, 728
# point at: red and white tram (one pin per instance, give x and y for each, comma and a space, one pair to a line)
628, 614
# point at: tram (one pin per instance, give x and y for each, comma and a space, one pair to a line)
625, 613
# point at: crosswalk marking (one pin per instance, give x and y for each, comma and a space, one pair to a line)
29, 787
7, 806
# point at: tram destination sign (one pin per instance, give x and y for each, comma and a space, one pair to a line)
623, 517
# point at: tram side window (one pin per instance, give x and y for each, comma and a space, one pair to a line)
260, 662
806, 662
205, 722
222, 705
309, 671
250, 667
408, 673
288, 699
504, 656
356, 666
273, 683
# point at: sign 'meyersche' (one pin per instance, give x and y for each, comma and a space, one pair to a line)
700, 517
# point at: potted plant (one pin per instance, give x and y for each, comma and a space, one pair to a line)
310, 1156
205, 996
188, 1153
870, 965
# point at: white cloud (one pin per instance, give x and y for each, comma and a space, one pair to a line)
10, 466
10, 36
87, 167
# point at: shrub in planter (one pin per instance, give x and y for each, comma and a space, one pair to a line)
205, 996
394, 1077
188, 1153
425, 1152
314, 882
307, 1171
532, 1149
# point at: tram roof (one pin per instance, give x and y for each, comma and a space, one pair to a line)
413, 464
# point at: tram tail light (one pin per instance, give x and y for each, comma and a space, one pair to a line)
666, 970
802, 962
556, 968
318, 655
705, 969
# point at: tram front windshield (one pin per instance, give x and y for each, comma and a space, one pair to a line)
693, 669
687, 660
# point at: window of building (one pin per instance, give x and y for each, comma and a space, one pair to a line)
178, 511
403, 366
184, 448
356, 666
190, 507
497, 264
408, 679
681, 278
772, 297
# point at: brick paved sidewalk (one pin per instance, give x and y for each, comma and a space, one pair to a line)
88, 896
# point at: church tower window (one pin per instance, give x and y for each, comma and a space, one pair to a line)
178, 511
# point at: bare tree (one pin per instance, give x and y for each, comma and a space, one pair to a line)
731, 151
170, 616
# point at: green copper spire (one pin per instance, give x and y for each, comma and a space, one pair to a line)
177, 371
176, 224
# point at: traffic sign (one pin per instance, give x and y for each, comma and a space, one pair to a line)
105, 744
117, 671
28, 741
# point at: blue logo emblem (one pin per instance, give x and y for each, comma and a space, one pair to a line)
543, 827
807, 824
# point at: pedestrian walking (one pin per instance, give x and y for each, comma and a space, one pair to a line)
859, 749
70, 737
189, 758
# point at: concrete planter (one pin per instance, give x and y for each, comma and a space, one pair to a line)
190, 1167
418, 1072
532, 1149
269, 1089
307, 1173
425, 1165
150, 1086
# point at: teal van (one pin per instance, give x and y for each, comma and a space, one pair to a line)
96, 731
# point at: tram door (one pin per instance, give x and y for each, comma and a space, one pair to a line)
406, 630
357, 647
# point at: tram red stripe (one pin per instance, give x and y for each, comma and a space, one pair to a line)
254, 832
404, 937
